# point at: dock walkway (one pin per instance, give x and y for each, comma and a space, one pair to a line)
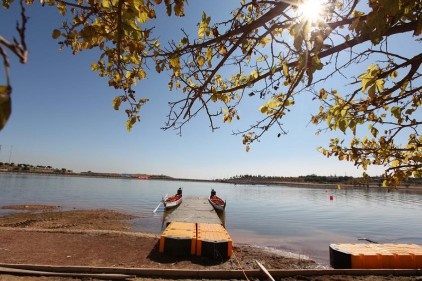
194, 210
194, 228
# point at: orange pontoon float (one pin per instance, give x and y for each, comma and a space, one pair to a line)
376, 256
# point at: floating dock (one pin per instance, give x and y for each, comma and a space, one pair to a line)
195, 228
195, 210
376, 256
213, 241
179, 239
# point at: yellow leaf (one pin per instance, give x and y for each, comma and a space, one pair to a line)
417, 174
116, 103
227, 118
208, 55
175, 62
394, 74
201, 60
62, 8
223, 50
263, 109
214, 97
203, 25
130, 122
142, 74
264, 41
254, 74
105, 4
285, 70
143, 17
380, 85
395, 163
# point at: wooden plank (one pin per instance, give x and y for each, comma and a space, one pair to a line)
108, 276
194, 210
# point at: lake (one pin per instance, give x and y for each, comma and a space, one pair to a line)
299, 220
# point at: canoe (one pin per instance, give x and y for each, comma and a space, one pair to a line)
218, 203
173, 201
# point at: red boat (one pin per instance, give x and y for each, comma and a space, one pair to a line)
218, 203
173, 201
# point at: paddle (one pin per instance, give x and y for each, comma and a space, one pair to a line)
157, 207
263, 269
159, 204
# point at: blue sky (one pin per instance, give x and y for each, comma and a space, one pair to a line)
63, 117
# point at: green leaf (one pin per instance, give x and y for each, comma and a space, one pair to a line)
184, 41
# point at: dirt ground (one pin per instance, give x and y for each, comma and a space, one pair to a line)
47, 235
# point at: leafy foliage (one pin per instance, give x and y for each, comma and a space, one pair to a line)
267, 49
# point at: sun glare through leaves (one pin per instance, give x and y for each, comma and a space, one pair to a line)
311, 10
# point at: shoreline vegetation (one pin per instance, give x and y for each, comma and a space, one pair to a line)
315, 181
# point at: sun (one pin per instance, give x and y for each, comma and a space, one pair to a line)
311, 10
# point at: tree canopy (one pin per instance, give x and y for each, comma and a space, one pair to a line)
270, 51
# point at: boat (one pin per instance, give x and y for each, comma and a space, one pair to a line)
174, 200
218, 203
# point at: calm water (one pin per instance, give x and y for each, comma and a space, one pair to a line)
298, 220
